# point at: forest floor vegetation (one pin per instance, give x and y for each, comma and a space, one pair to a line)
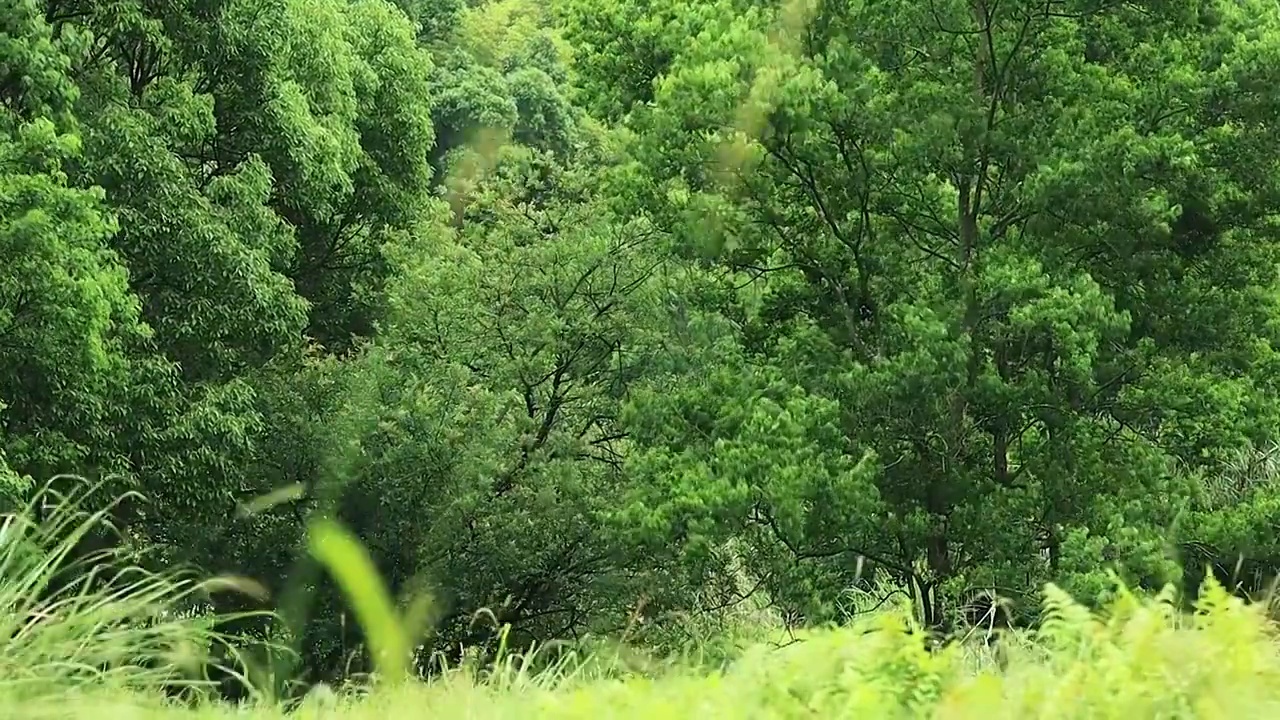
105, 647
1139, 660
81, 655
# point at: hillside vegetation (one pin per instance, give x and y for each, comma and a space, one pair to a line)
372, 337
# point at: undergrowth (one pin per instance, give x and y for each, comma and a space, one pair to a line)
113, 642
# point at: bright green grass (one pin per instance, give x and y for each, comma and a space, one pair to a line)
1141, 659
1144, 661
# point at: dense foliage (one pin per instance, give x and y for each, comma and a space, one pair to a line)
613, 310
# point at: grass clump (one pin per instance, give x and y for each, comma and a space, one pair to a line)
78, 615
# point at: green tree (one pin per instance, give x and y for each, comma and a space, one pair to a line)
1025, 250
259, 156
66, 314
501, 81
489, 451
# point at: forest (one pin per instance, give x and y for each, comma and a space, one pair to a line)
602, 314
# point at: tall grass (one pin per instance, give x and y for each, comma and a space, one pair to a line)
1140, 659
71, 620
107, 643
